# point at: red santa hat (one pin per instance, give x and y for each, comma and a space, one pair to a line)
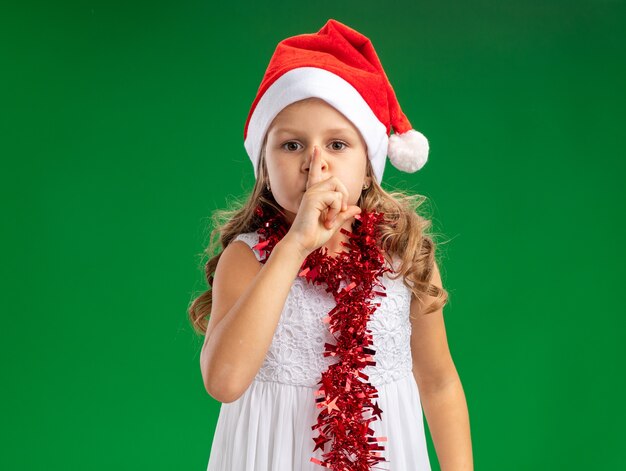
340, 66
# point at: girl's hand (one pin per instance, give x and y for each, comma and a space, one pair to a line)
323, 209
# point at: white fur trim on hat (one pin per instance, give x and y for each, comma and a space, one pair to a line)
306, 82
408, 151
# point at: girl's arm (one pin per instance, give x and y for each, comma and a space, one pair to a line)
248, 298
441, 392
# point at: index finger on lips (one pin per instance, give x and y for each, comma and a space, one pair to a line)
314, 168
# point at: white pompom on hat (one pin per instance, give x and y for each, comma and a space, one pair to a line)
340, 66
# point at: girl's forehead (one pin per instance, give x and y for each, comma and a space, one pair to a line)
310, 105
300, 114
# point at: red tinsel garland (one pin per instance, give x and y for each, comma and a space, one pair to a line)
344, 397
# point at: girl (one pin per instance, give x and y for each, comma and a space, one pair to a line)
325, 334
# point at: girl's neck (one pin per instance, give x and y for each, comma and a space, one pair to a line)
334, 245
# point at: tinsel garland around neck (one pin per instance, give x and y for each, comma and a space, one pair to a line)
345, 395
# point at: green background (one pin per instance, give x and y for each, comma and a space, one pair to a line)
122, 130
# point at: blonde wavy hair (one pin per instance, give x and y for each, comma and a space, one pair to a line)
406, 234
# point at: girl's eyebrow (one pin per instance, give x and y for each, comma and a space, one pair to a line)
328, 131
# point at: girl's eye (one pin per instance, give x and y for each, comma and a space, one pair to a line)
292, 143
288, 143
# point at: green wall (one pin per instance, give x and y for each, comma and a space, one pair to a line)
122, 130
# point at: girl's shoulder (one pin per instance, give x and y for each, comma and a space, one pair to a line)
251, 239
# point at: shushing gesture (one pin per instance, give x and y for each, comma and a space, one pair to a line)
323, 209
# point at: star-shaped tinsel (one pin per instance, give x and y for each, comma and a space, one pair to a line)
344, 397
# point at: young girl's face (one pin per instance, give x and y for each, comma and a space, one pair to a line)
290, 140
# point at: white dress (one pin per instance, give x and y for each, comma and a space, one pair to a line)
268, 428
